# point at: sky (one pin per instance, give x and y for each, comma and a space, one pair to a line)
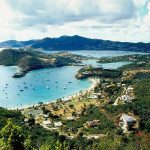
116, 20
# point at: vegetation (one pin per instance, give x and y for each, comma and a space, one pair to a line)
131, 58
33, 136
140, 106
12, 137
87, 72
77, 134
92, 113
77, 43
5, 114
30, 60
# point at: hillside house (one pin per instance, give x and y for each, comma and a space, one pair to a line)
126, 98
92, 123
95, 96
130, 89
58, 124
47, 122
127, 122
71, 118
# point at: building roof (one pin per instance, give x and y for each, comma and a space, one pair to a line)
130, 88
26, 120
126, 98
58, 124
46, 115
93, 97
93, 123
98, 94
70, 118
47, 122
127, 118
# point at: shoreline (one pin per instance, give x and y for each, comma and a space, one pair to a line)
94, 83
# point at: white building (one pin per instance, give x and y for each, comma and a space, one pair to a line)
126, 98
130, 89
70, 118
58, 124
26, 120
127, 122
95, 96
47, 122
46, 116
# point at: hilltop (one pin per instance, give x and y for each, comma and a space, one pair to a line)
77, 43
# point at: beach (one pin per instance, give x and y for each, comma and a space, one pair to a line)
94, 83
64, 107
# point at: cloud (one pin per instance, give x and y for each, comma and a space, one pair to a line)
120, 20
51, 12
146, 19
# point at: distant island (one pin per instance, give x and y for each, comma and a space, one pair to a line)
32, 60
77, 43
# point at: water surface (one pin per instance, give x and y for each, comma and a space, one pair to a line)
38, 85
48, 84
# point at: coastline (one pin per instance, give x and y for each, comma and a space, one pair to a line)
94, 83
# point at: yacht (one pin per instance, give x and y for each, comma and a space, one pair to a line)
47, 87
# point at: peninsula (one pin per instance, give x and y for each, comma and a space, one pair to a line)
28, 60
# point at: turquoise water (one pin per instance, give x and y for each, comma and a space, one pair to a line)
101, 53
46, 84
105, 65
38, 85
104, 53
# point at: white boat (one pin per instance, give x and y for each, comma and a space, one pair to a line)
47, 87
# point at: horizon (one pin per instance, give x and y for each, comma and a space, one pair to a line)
114, 20
73, 36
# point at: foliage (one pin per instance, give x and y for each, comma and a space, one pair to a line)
12, 137
92, 113
5, 114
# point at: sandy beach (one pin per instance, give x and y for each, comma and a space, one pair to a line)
94, 82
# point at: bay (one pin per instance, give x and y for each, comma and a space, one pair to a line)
48, 84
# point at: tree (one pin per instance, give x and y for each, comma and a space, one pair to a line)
28, 144
45, 111
12, 137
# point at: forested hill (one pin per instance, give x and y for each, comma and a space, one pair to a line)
77, 43
31, 60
